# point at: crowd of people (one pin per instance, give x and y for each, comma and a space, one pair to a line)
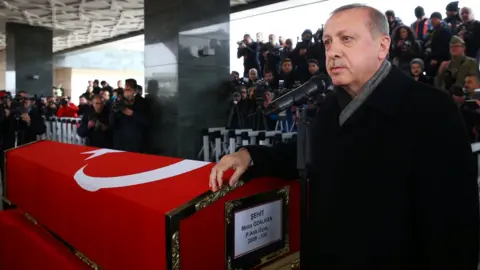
437, 50
110, 118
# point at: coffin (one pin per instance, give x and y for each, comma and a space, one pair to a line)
132, 211
25, 245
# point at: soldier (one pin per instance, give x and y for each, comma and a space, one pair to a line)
453, 72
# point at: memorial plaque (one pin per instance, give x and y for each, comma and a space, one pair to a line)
257, 229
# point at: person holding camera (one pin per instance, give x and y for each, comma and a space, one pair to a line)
67, 108
95, 125
22, 123
249, 50
405, 48
469, 31
128, 120
272, 60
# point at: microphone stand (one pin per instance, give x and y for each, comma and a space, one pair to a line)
303, 162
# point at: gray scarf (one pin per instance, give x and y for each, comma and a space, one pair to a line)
368, 88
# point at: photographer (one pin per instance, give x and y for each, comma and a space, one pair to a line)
272, 59
23, 123
51, 107
304, 51
67, 109
259, 96
95, 125
249, 50
469, 31
128, 120
405, 48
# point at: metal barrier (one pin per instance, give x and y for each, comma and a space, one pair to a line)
62, 129
221, 141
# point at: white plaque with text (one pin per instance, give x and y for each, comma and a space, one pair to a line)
257, 227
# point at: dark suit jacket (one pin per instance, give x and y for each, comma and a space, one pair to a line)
394, 188
441, 44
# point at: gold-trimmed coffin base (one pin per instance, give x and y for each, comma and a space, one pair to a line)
290, 262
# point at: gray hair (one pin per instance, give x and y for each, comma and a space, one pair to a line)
377, 23
253, 69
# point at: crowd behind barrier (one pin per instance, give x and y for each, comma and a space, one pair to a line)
216, 141
220, 141
62, 129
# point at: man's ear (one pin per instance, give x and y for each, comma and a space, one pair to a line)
385, 42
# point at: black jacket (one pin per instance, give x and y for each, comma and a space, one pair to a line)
250, 56
25, 133
129, 131
394, 188
472, 38
440, 44
96, 136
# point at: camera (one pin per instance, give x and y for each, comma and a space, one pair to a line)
118, 105
17, 107
236, 97
63, 102
470, 105
261, 88
448, 78
406, 45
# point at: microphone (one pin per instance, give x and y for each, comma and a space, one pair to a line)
297, 96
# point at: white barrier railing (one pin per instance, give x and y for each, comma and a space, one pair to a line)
62, 129
221, 141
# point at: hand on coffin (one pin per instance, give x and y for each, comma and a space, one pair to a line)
238, 161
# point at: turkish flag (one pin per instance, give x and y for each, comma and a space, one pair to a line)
112, 206
126, 195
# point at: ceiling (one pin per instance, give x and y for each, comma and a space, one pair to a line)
79, 22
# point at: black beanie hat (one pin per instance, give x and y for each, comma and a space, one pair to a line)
419, 12
452, 6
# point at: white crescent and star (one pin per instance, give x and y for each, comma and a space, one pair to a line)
94, 183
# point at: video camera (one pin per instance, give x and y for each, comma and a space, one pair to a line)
120, 104
64, 102
95, 118
17, 107
469, 104
261, 88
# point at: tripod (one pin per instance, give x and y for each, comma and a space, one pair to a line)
259, 118
303, 162
234, 110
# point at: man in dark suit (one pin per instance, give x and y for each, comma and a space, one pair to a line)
392, 175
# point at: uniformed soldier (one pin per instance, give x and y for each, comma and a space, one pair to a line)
453, 73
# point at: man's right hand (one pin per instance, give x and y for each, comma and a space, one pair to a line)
238, 161
91, 124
